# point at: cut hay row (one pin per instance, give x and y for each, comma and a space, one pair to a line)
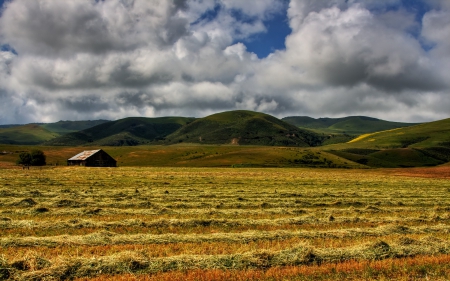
135, 262
62, 223
110, 238
326, 221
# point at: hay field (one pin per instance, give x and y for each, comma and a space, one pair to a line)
134, 223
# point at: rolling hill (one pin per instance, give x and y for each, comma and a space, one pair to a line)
25, 134
352, 125
244, 128
64, 127
430, 134
124, 132
426, 144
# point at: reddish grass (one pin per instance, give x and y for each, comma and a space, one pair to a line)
442, 172
8, 165
422, 267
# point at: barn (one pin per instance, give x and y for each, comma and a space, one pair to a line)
92, 158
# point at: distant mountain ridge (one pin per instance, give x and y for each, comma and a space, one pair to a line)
237, 127
10, 126
64, 127
124, 132
233, 127
37, 133
351, 125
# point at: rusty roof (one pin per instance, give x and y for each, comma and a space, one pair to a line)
84, 155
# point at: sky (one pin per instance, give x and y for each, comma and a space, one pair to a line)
110, 59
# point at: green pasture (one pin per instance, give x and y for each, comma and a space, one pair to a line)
193, 155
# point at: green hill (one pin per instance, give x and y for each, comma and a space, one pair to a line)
352, 125
244, 128
64, 127
124, 132
426, 144
26, 134
430, 134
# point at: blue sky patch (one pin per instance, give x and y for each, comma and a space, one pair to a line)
7, 48
263, 44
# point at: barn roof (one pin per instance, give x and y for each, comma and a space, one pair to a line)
84, 155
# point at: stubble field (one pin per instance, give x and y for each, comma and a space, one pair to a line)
135, 223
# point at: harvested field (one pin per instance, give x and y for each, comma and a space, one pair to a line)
223, 224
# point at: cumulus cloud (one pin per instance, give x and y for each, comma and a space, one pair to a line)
87, 59
63, 28
350, 47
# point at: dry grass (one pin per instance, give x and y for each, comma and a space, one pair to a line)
417, 268
223, 224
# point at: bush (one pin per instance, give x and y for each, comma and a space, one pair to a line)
35, 158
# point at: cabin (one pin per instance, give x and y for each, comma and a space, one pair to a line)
92, 158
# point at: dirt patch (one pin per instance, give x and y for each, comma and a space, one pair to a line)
235, 141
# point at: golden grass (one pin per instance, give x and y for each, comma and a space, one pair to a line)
201, 223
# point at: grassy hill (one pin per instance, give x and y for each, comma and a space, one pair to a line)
430, 134
352, 125
244, 128
426, 144
64, 127
124, 132
25, 134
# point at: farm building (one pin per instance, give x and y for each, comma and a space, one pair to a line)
92, 158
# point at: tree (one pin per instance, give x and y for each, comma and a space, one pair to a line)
35, 158
24, 159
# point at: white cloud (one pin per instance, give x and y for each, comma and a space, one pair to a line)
86, 59
436, 30
50, 27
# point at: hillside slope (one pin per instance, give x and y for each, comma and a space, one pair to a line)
426, 144
352, 125
430, 134
25, 134
124, 132
244, 128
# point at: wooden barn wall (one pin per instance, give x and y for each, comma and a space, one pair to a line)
100, 159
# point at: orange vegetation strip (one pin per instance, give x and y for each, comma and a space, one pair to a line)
442, 172
421, 267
